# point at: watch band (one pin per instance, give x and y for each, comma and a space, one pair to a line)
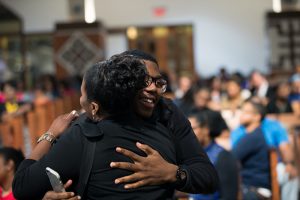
48, 136
181, 176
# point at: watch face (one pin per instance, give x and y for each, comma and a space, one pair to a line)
182, 175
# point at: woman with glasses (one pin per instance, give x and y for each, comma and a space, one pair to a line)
193, 172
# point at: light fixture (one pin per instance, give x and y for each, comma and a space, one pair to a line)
132, 32
89, 11
160, 32
277, 6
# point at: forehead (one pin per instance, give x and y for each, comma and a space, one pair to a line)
152, 68
248, 106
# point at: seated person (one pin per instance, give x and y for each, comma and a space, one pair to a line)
232, 101
280, 104
206, 128
12, 106
10, 159
294, 97
252, 152
40, 96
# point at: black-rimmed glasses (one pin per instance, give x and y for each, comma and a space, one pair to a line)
159, 83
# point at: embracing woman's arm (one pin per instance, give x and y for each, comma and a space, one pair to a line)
31, 181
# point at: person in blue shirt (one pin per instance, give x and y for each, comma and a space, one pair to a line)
206, 129
275, 135
252, 152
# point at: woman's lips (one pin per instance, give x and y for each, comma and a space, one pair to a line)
147, 102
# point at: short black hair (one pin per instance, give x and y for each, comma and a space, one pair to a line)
236, 80
211, 119
10, 153
258, 107
140, 55
201, 117
114, 83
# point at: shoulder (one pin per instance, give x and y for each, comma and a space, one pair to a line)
168, 105
226, 156
87, 127
174, 116
272, 124
237, 134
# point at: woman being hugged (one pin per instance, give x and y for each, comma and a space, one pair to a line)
108, 90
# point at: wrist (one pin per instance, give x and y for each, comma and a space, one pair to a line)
53, 132
48, 136
172, 172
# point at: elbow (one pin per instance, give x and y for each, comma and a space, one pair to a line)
20, 190
208, 182
212, 182
17, 189
212, 186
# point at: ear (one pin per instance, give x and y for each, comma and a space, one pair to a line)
205, 131
10, 165
94, 108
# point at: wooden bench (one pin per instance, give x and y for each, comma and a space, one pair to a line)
12, 133
273, 172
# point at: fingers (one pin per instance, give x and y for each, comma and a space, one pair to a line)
127, 179
124, 165
129, 154
135, 185
75, 198
55, 195
68, 184
72, 115
145, 148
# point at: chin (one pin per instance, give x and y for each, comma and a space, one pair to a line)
145, 113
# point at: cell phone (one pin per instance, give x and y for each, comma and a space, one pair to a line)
55, 181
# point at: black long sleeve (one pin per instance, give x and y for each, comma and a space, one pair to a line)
31, 181
227, 168
201, 174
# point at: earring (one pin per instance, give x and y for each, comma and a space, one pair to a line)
93, 116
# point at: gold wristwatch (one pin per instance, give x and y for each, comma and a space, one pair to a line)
48, 136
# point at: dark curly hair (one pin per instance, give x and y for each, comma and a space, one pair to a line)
141, 55
114, 83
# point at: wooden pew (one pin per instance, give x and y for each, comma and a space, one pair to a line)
274, 181
32, 121
12, 133
75, 101
50, 113
296, 149
17, 127
289, 120
42, 123
5, 133
67, 101
58, 107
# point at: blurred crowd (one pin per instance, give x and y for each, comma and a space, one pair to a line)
15, 100
238, 120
